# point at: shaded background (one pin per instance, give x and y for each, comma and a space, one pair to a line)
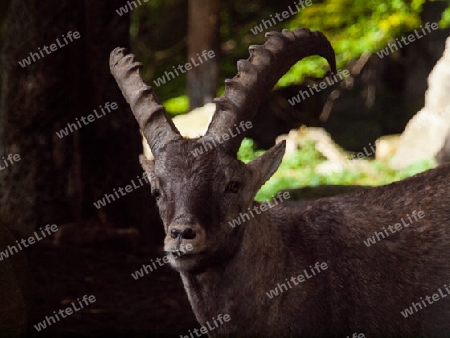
57, 179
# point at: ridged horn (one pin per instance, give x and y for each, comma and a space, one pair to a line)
258, 75
152, 117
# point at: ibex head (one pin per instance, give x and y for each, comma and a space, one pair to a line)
198, 195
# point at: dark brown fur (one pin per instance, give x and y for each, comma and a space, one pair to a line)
364, 288
231, 269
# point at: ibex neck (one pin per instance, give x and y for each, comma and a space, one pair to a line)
248, 277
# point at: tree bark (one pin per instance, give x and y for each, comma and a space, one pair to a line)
57, 180
203, 35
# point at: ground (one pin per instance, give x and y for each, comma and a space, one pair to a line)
155, 304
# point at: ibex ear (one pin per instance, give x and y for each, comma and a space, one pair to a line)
263, 167
149, 168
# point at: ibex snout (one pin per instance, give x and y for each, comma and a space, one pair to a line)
187, 233
182, 233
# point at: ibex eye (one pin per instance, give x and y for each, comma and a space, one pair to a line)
156, 193
233, 187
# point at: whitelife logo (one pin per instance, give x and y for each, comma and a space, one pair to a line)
146, 269
204, 330
11, 159
392, 47
109, 198
71, 127
211, 144
329, 81
429, 299
397, 226
266, 24
258, 209
206, 55
129, 7
318, 267
33, 57
25, 243
49, 320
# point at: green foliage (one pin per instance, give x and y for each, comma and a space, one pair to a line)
158, 38
445, 21
247, 151
354, 28
299, 170
177, 105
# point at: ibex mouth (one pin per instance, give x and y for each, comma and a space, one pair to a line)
187, 249
177, 253
180, 249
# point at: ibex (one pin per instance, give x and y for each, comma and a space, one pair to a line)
346, 286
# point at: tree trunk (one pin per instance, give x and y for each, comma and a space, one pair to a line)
203, 35
58, 179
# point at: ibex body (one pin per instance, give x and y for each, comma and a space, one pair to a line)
347, 286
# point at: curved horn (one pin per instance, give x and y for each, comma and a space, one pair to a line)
258, 75
153, 120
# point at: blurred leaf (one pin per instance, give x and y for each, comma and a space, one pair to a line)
445, 20
354, 28
299, 170
177, 105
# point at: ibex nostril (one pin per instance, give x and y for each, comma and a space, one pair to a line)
188, 233
174, 233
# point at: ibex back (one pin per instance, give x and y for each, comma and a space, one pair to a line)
329, 278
